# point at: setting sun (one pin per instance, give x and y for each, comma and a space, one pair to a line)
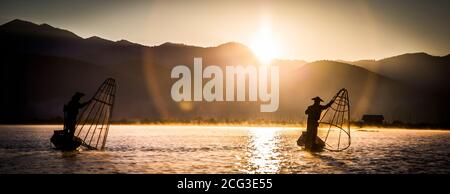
264, 45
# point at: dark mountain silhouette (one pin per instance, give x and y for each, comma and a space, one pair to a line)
417, 69
20, 27
32, 51
36, 87
42, 66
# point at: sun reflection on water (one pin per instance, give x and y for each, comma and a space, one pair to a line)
263, 153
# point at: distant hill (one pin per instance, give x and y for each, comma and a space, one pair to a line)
42, 66
416, 69
370, 93
31, 51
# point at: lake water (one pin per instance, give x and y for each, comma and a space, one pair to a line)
210, 149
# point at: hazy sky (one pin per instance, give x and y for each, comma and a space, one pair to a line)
309, 30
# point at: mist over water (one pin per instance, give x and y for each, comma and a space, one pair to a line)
223, 149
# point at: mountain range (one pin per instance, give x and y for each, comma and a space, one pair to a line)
42, 66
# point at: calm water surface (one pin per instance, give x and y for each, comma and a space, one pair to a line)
206, 149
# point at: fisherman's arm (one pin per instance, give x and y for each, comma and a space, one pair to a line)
86, 103
329, 104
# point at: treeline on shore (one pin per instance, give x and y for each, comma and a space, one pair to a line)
242, 122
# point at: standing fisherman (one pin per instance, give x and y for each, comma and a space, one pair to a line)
314, 111
71, 113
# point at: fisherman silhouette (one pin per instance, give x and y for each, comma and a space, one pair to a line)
71, 113
314, 111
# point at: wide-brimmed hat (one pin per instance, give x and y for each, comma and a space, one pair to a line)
317, 98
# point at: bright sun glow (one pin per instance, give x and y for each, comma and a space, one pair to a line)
264, 45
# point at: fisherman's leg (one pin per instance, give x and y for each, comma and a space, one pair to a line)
317, 145
65, 128
314, 132
71, 128
309, 138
